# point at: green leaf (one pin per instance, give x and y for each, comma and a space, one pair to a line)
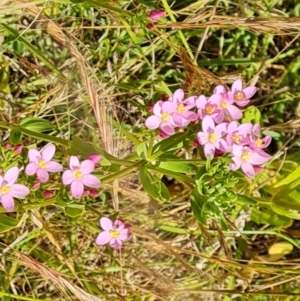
148, 182
197, 203
15, 136
141, 150
295, 175
36, 124
168, 144
251, 114
7, 223
154, 187
242, 199
269, 217
171, 162
74, 210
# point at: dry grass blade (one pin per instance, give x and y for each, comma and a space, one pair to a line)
197, 80
65, 287
273, 25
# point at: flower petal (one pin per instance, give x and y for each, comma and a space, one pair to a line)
202, 138
19, 191
74, 162
153, 122
178, 96
125, 234
219, 89
87, 166
234, 112
209, 150
103, 238
106, 223
157, 107
236, 164
11, 175
237, 85
68, 177
249, 92
208, 124
116, 244
34, 155
167, 128
8, 202
77, 189
168, 107
48, 152
42, 175
91, 181
53, 166
248, 169
201, 101
31, 168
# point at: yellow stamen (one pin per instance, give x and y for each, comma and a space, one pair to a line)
181, 108
212, 138
77, 174
114, 233
42, 164
238, 96
258, 143
209, 110
223, 104
236, 138
165, 116
5, 189
245, 155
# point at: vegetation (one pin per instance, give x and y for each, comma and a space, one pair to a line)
83, 77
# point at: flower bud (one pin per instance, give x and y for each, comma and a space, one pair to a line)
156, 14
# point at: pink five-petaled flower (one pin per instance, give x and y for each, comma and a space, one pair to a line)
256, 142
211, 137
228, 111
247, 159
40, 163
238, 133
154, 15
239, 95
208, 106
79, 176
182, 116
162, 117
114, 233
9, 190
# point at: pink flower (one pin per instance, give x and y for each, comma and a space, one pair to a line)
238, 133
9, 190
114, 233
208, 106
211, 137
162, 117
182, 116
228, 111
79, 176
256, 142
154, 15
239, 95
95, 158
41, 164
246, 159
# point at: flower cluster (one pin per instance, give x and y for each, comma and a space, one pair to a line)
221, 132
78, 176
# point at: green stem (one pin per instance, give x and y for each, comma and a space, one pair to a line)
123, 172
181, 35
3, 294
